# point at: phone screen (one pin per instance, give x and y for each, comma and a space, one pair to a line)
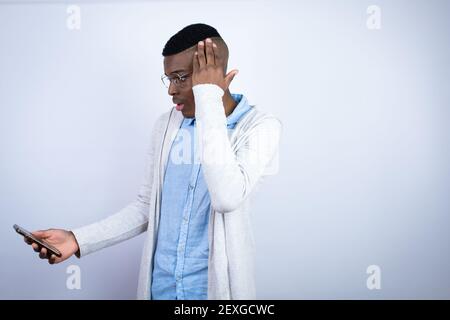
42, 243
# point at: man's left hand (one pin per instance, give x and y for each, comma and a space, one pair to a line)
208, 66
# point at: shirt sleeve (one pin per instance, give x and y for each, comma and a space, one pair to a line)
230, 174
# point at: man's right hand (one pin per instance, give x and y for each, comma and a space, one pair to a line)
62, 240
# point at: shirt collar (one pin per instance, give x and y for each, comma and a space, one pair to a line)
241, 108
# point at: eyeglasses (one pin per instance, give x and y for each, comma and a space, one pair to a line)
177, 79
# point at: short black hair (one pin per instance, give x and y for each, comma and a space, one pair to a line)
188, 37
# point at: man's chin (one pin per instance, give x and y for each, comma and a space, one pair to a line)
188, 112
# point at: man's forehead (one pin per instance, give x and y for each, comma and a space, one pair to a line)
177, 63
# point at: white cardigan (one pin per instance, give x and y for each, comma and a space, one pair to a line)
233, 162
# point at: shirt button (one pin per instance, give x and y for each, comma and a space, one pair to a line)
191, 187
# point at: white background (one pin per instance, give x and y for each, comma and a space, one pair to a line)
364, 162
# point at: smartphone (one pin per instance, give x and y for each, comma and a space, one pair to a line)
42, 243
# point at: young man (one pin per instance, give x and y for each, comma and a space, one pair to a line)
205, 158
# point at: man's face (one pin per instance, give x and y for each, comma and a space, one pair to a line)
181, 63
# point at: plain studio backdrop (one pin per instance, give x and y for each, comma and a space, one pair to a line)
364, 162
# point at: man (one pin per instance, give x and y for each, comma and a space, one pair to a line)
205, 158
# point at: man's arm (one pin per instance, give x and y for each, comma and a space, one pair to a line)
128, 222
231, 175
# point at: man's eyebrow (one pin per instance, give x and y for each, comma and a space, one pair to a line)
177, 71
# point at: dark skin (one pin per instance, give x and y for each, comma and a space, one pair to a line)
208, 62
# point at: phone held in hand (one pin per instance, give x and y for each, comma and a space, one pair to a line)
42, 243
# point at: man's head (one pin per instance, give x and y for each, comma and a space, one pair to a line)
178, 56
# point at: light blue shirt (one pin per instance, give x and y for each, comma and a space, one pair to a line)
180, 269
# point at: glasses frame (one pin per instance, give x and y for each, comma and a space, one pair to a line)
178, 79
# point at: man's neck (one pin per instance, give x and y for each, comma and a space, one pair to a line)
228, 103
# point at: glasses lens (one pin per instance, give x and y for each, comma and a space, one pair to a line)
165, 81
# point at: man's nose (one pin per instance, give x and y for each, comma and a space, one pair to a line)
172, 89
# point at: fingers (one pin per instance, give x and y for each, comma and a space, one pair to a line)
217, 58
230, 76
195, 65
209, 65
209, 53
27, 240
201, 54
52, 259
43, 253
38, 233
41, 234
